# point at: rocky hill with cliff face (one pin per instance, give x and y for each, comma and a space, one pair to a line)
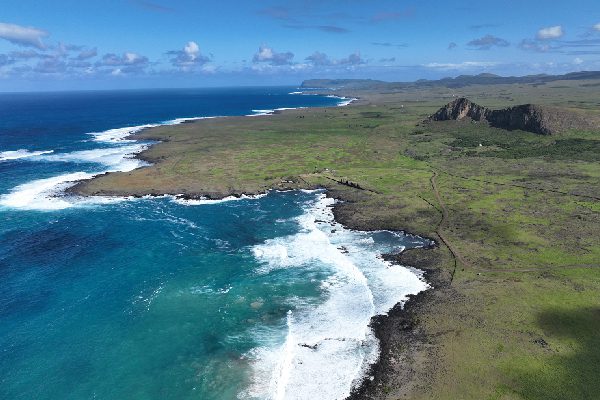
543, 120
460, 109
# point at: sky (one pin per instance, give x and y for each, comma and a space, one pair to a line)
109, 44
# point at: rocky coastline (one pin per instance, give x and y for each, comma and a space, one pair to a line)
394, 372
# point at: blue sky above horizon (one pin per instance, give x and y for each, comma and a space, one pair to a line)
69, 44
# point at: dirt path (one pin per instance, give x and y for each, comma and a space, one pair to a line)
438, 230
457, 256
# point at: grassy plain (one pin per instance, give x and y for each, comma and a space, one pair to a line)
521, 317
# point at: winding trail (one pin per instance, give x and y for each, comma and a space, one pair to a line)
438, 230
457, 256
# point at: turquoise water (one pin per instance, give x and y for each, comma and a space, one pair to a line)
257, 298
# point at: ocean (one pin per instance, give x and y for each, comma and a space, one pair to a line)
262, 297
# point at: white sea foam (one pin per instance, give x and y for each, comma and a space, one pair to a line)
21, 153
258, 113
44, 194
117, 158
202, 201
119, 135
328, 347
178, 121
344, 101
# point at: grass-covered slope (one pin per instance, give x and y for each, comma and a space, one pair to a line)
521, 212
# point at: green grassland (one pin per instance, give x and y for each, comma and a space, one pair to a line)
521, 318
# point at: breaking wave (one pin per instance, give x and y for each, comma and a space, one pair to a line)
327, 348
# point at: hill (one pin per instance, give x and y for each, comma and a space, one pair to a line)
457, 82
534, 118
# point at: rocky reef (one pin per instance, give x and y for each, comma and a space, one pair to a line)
538, 119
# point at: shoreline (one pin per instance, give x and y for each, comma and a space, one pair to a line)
514, 215
402, 342
404, 345
77, 188
384, 326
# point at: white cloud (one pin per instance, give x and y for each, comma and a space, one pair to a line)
133, 58
22, 35
264, 54
189, 58
577, 61
127, 59
551, 32
87, 54
535, 45
192, 50
321, 59
596, 27
126, 64
209, 69
462, 65
267, 54
352, 59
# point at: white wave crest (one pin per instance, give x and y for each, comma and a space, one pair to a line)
119, 158
203, 201
258, 113
45, 194
119, 135
178, 121
261, 112
21, 153
344, 101
328, 347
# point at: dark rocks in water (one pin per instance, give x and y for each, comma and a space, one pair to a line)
543, 120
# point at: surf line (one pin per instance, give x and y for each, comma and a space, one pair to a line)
47, 194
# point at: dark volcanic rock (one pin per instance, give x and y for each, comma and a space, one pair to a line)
526, 117
460, 109
538, 119
543, 120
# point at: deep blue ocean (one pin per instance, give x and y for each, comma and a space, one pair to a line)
161, 298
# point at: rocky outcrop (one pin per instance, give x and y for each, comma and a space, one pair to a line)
460, 109
538, 119
527, 117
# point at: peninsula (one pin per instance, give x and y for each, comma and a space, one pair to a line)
513, 312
